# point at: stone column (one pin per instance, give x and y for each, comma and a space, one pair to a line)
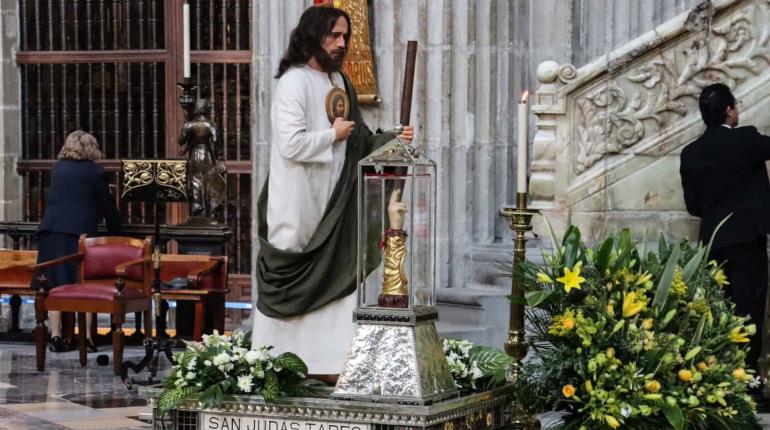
10, 117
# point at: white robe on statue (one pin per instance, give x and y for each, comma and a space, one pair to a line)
305, 164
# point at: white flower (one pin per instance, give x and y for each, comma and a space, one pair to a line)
195, 346
244, 383
465, 347
191, 365
189, 375
476, 373
207, 363
222, 362
238, 338
625, 411
754, 383
253, 356
214, 340
239, 352
221, 358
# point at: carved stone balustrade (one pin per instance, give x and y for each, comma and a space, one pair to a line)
609, 134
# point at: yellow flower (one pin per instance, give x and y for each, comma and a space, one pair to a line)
625, 276
610, 308
644, 279
711, 360
678, 286
610, 352
563, 324
685, 375
702, 366
611, 421
737, 335
543, 278
647, 323
572, 278
652, 386
633, 305
739, 374
720, 278
568, 391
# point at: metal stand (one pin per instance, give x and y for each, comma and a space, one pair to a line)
161, 342
516, 345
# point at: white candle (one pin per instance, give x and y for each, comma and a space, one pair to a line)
186, 39
521, 142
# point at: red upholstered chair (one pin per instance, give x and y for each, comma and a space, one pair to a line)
115, 277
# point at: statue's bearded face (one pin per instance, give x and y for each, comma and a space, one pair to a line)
334, 47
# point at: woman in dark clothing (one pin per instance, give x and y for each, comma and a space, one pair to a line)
77, 200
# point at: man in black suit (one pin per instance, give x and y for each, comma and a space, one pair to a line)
723, 173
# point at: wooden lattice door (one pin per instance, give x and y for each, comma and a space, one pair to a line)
111, 67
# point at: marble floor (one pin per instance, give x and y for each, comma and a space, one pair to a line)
66, 395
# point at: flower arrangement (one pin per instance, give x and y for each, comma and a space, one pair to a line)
475, 368
223, 365
626, 338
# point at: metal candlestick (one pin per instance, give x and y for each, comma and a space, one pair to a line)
187, 99
516, 345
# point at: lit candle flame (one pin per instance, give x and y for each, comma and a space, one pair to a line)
524, 96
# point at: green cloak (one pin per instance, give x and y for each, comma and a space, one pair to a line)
295, 283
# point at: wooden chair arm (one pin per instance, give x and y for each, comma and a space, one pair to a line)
54, 262
120, 269
195, 277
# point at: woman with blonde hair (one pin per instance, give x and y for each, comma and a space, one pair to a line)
77, 200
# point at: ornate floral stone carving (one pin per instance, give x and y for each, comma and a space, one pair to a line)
621, 109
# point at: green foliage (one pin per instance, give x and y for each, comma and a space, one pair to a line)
626, 338
475, 368
172, 397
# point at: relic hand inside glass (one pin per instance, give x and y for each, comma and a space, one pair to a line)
394, 283
396, 210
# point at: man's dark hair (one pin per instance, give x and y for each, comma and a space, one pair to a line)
713, 103
306, 39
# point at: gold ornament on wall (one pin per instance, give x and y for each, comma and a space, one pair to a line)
358, 65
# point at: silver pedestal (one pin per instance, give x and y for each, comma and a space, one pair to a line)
396, 357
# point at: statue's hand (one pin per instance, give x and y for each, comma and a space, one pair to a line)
396, 210
407, 135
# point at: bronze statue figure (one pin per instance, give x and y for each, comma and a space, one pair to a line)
206, 173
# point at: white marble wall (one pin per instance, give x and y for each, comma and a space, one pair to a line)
474, 60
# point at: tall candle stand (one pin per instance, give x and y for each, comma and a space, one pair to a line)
516, 345
187, 99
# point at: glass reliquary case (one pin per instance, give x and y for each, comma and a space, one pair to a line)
396, 229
